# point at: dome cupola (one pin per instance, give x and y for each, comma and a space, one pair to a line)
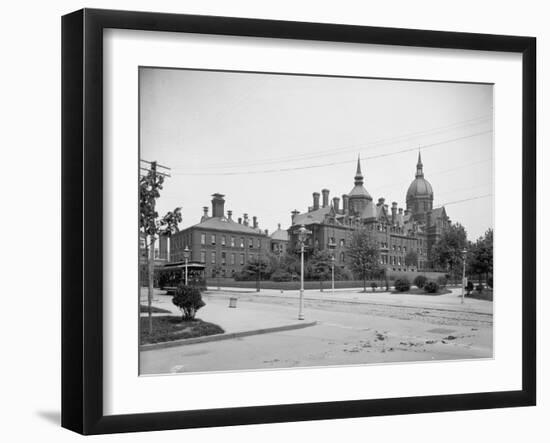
420, 194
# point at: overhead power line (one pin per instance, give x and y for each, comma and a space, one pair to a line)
351, 148
297, 168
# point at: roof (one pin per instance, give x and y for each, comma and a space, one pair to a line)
307, 218
280, 235
420, 187
225, 224
369, 211
359, 191
439, 212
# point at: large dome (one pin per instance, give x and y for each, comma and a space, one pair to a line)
420, 187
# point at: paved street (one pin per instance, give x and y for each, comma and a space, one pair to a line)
353, 328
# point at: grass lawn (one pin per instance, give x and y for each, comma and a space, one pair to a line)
416, 291
170, 327
154, 310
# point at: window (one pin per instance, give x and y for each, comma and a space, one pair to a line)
232, 242
223, 258
203, 238
258, 244
213, 239
404, 249
232, 259
242, 259
250, 243
203, 256
213, 255
242, 242
342, 257
223, 240
342, 242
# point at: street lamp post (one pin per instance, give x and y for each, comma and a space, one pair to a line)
302, 236
186, 257
332, 259
464, 251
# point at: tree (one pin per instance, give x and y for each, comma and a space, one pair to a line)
256, 268
362, 253
151, 227
411, 259
480, 258
447, 252
319, 267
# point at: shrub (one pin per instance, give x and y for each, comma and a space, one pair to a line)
479, 288
244, 276
431, 287
490, 281
420, 281
373, 285
189, 300
469, 288
281, 275
402, 284
442, 281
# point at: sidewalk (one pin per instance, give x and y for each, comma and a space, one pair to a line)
450, 302
248, 318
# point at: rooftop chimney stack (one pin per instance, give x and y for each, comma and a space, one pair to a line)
205, 211
394, 212
381, 201
400, 211
325, 197
245, 219
229, 215
294, 214
217, 205
255, 222
336, 204
345, 203
240, 221
316, 196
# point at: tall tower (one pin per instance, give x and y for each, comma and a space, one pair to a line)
358, 198
420, 195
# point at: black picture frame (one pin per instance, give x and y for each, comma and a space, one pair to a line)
82, 220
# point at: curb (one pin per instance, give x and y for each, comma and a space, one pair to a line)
219, 337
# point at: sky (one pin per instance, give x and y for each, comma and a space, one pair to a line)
268, 141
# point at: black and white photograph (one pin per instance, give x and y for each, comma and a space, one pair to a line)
298, 221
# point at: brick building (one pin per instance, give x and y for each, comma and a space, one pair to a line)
220, 242
397, 232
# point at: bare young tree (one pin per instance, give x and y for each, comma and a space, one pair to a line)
151, 226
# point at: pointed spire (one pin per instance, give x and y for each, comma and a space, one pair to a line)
419, 166
358, 174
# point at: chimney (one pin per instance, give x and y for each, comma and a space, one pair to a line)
336, 204
407, 211
217, 205
316, 201
266, 232
205, 211
279, 226
240, 221
325, 197
230, 215
393, 212
254, 222
381, 201
294, 214
400, 211
245, 219
345, 201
